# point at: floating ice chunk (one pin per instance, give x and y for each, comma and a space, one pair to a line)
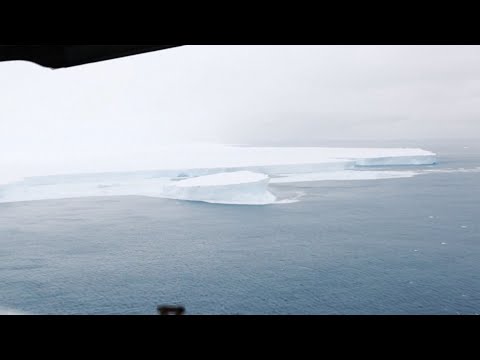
241, 187
449, 171
342, 175
398, 160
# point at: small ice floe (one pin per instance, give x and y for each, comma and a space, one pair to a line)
431, 217
444, 243
415, 250
464, 226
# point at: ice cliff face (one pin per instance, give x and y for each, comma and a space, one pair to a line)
241, 188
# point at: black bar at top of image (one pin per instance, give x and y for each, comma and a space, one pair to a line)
62, 56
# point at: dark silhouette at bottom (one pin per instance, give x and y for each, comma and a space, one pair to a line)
170, 310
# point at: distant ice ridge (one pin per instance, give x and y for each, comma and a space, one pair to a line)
345, 175
218, 173
448, 171
241, 188
199, 160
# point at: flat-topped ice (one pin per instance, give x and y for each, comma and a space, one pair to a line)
197, 160
233, 157
233, 178
240, 188
215, 173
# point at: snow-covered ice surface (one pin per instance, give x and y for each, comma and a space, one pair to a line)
241, 188
223, 179
220, 174
197, 160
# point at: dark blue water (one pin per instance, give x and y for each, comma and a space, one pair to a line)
351, 247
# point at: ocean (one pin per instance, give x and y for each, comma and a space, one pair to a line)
391, 246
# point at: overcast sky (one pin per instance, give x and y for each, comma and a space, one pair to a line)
240, 94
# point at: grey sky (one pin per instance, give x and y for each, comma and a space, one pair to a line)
240, 94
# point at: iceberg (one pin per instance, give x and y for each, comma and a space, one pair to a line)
199, 160
210, 173
240, 188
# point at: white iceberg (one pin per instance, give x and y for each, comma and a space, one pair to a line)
198, 160
223, 174
240, 188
